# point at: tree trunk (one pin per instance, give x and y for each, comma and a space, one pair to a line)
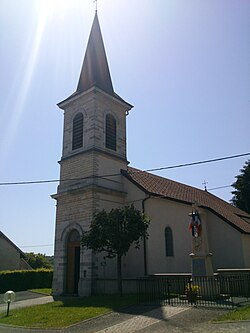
119, 274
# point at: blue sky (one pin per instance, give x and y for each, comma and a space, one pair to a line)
184, 65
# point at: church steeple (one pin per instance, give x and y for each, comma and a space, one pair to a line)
94, 146
95, 69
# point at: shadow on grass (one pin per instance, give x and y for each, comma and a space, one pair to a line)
127, 304
113, 302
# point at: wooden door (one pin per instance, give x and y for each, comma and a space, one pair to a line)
73, 262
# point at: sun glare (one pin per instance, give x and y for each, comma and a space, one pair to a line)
45, 9
47, 13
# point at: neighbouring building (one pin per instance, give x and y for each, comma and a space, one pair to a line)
12, 258
95, 175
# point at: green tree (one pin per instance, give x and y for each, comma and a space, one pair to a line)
241, 195
37, 260
115, 232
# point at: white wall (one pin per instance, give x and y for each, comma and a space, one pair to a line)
166, 213
225, 243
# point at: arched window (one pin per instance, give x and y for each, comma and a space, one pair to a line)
110, 127
169, 245
77, 137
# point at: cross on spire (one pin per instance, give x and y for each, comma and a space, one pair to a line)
205, 185
95, 1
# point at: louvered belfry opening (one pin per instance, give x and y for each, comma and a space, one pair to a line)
110, 132
77, 139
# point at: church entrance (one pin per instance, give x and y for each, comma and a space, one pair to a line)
73, 262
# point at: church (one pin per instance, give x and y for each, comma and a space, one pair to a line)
95, 175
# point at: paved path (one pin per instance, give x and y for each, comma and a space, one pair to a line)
138, 319
140, 322
24, 299
159, 320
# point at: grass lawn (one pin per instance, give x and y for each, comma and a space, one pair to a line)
238, 314
66, 312
43, 291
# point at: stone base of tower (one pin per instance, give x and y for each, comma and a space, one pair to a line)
84, 287
57, 288
58, 283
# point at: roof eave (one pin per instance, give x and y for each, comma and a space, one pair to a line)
76, 95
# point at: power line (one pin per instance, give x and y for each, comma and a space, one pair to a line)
30, 182
36, 245
131, 172
218, 188
199, 162
225, 186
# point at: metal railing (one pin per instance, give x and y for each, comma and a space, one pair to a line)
213, 291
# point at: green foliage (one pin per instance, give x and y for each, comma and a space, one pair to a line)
241, 198
25, 279
37, 260
116, 231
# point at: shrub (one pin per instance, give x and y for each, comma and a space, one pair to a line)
25, 279
190, 288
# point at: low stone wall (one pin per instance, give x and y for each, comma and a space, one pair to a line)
234, 271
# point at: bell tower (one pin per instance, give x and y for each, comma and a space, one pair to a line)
94, 152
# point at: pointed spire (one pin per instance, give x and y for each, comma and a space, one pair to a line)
95, 70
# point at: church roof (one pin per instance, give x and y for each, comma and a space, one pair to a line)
95, 69
169, 189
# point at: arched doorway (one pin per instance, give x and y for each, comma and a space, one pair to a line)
73, 262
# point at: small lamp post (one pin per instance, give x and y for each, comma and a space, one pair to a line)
8, 298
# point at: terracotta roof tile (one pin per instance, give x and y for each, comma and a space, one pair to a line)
170, 189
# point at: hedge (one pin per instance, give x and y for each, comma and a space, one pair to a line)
25, 279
